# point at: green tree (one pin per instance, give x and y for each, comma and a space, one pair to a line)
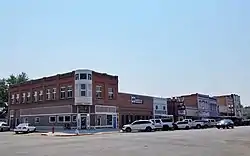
4, 86
3, 91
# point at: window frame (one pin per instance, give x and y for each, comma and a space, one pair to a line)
13, 99
70, 90
65, 118
62, 92
111, 93
98, 91
59, 117
77, 76
54, 93
50, 119
72, 118
83, 90
36, 119
35, 96
89, 76
40, 96
86, 76
28, 97
48, 94
17, 98
23, 97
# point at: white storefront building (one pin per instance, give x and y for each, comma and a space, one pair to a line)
159, 107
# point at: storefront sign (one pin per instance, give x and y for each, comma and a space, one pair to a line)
136, 100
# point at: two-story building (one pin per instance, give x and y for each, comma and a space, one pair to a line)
82, 98
204, 105
159, 107
230, 105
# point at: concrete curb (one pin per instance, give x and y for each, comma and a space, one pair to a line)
65, 135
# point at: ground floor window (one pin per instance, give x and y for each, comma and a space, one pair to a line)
109, 119
74, 118
67, 118
60, 119
37, 120
52, 119
104, 120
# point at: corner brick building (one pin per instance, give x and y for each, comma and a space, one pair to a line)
56, 100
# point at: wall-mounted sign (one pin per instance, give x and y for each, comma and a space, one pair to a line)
136, 100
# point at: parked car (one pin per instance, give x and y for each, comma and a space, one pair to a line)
24, 128
211, 122
139, 125
181, 125
195, 124
163, 124
4, 126
225, 123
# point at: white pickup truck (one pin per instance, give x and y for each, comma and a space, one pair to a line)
195, 123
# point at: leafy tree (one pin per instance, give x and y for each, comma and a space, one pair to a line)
4, 86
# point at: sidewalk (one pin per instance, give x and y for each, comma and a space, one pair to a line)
81, 132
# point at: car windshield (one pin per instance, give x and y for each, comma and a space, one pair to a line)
23, 124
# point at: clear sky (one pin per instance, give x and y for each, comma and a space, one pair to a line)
156, 47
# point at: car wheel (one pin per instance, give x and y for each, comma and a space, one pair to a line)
166, 128
227, 127
223, 127
128, 129
218, 127
187, 127
16, 132
148, 129
198, 126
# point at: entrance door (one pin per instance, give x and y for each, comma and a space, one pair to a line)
114, 122
83, 122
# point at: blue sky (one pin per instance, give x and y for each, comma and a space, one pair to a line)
159, 47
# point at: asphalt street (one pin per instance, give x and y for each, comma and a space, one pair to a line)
208, 142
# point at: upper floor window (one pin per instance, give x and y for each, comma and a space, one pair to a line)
111, 93
13, 98
89, 77
63, 93
53, 93
98, 91
41, 95
28, 97
77, 77
164, 107
23, 97
48, 95
70, 92
35, 96
83, 90
17, 98
83, 76
156, 107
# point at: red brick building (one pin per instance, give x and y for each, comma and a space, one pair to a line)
56, 100
133, 107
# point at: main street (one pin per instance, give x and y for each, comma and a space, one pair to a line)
208, 142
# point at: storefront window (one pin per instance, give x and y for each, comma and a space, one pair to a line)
109, 119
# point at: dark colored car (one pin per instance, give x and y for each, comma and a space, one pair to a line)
225, 123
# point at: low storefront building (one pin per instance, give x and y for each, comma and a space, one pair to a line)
133, 107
